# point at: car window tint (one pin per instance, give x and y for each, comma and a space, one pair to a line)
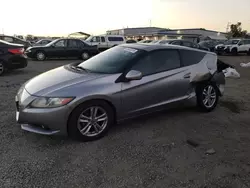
190, 57
187, 44
60, 43
79, 43
158, 61
102, 39
176, 43
73, 44
8, 39
115, 38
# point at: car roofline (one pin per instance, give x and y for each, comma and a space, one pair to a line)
152, 46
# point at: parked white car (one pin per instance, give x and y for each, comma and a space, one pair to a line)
105, 41
234, 46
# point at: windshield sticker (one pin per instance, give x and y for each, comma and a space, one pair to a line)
130, 50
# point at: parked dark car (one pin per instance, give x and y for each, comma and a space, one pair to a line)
181, 42
63, 48
42, 42
131, 41
11, 56
145, 41
210, 44
15, 40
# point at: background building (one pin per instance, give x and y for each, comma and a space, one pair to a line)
156, 33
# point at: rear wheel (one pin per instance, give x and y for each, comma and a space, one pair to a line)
2, 68
234, 51
85, 55
207, 96
91, 120
40, 56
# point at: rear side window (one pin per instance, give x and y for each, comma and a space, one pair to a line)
115, 39
158, 61
102, 39
190, 57
187, 44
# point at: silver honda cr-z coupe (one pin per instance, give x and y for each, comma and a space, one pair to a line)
84, 100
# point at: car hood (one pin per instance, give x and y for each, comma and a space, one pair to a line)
36, 47
56, 79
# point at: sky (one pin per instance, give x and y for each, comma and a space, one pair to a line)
61, 17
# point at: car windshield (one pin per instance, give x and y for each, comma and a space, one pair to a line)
52, 42
111, 61
89, 38
229, 42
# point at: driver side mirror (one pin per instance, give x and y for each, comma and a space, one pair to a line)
134, 75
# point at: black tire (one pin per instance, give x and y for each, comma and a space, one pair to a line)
85, 55
200, 90
2, 68
248, 53
234, 51
73, 129
40, 56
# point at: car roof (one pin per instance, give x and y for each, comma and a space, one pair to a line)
152, 46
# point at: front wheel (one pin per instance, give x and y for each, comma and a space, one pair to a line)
207, 96
40, 56
234, 51
91, 120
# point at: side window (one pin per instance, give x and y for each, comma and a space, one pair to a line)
60, 43
80, 43
190, 57
176, 43
96, 39
187, 44
102, 39
115, 38
241, 42
158, 61
8, 39
72, 43
247, 42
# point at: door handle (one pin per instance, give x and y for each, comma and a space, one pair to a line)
187, 75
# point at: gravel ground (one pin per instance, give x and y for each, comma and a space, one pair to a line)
146, 152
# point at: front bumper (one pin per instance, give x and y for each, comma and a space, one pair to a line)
47, 121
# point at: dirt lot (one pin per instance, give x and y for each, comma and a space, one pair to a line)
147, 152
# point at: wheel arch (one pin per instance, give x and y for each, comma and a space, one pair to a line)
92, 100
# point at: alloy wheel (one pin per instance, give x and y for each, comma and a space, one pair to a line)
40, 56
209, 96
92, 121
85, 55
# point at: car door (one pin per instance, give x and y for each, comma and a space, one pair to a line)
103, 42
73, 50
58, 49
163, 82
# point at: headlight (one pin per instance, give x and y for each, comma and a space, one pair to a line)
49, 102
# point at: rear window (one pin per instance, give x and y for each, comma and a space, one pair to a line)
190, 57
115, 38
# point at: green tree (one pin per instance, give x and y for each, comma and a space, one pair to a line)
236, 30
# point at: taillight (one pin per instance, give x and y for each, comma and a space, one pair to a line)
16, 50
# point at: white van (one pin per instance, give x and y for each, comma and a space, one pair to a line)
105, 41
